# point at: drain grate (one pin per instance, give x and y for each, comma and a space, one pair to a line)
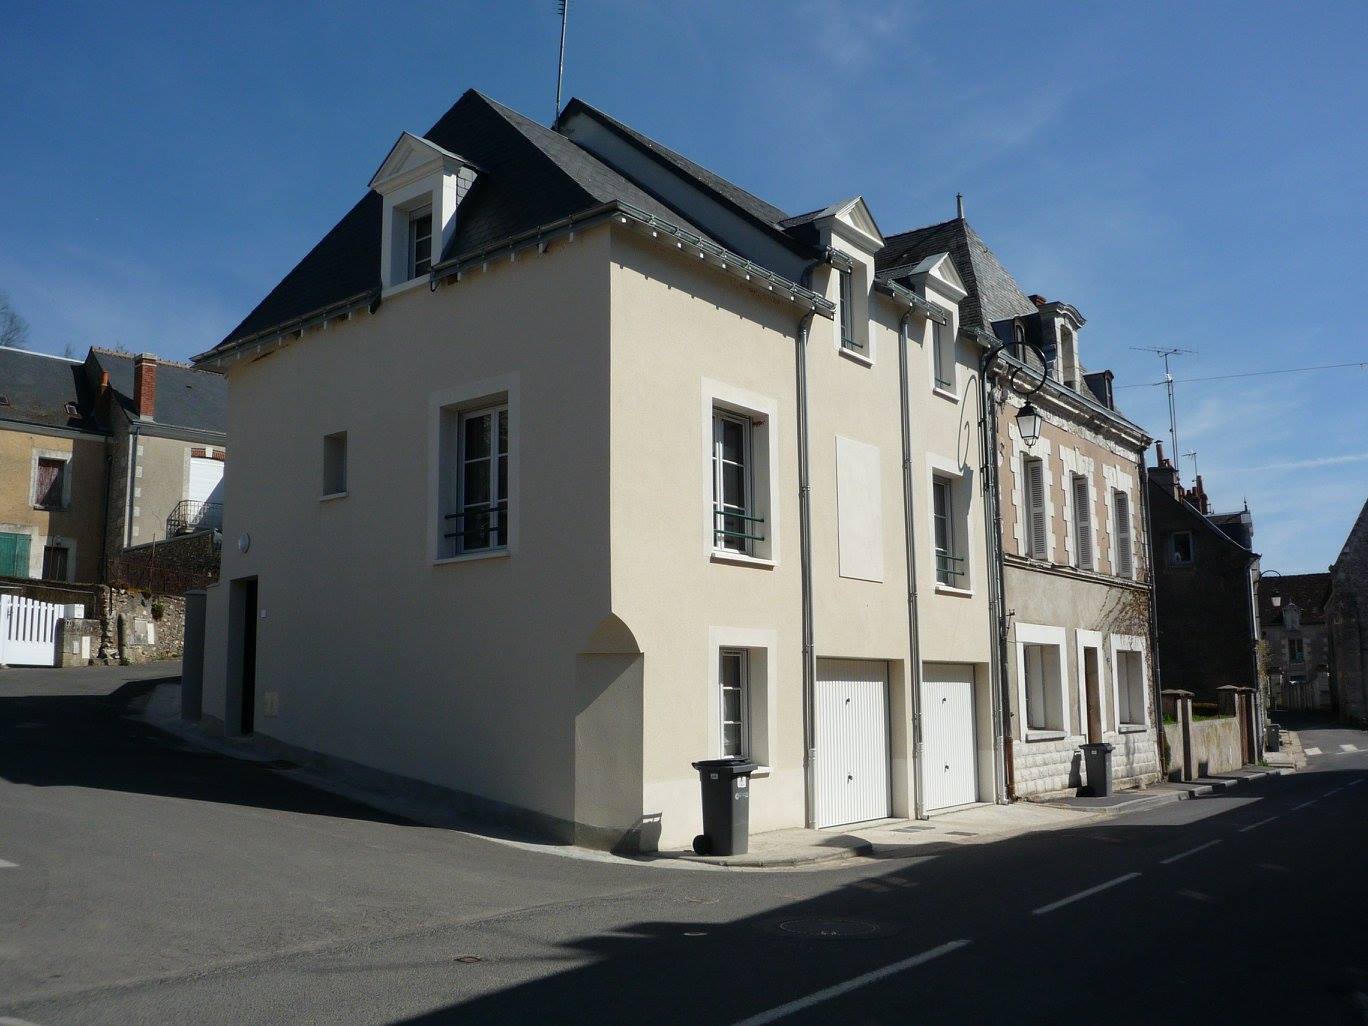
833, 929
961, 833
913, 829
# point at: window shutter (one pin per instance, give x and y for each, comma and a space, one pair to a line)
1125, 564
14, 555
1035, 506
1083, 523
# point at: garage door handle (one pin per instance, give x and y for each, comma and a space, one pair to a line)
850, 776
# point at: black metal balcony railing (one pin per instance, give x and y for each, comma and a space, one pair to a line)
190, 515
949, 568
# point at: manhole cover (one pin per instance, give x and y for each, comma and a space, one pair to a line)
833, 928
961, 833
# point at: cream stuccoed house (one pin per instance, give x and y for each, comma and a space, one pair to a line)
619, 467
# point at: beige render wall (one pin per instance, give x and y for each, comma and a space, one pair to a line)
675, 325
462, 674
80, 525
165, 481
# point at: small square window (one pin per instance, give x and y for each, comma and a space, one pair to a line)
335, 463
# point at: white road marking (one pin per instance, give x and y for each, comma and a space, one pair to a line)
1082, 894
1311, 751
1334, 790
1355, 783
7, 865
816, 998
1190, 851
1348, 748
1305, 804
1260, 823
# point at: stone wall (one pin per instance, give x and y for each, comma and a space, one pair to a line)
78, 641
170, 567
1348, 614
138, 627
1216, 745
1048, 769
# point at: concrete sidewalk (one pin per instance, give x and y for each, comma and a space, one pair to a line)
1166, 791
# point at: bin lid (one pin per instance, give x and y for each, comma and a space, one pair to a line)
731, 764
1098, 746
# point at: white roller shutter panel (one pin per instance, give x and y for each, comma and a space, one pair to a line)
206, 480
949, 750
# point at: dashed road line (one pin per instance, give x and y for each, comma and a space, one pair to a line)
873, 976
1311, 751
1334, 790
1082, 894
1260, 823
1303, 805
8, 865
1348, 748
1190, 851
1355, 783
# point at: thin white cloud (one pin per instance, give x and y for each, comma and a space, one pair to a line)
1319, 461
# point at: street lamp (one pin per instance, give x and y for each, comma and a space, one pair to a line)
1028, 423
1275, 598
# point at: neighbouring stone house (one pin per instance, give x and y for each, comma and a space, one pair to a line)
1205, 574
1296, 638
100, 456
1347, 613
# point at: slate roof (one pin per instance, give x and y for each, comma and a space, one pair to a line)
1307, 591
749, 203
186, 397
993, 293
36, 389
531, 175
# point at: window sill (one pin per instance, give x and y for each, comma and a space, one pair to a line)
1046, 735
741, 559
466, 557
945, 393
1132, 728
857, 356
760, 771
52, 509
950, 589
332, 495
404, 286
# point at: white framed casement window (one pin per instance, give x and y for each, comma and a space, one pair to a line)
1125, 546
737, 526
1180, 548
419, 242
473, 476
846, 303
1036, 511
1129, 673
743, 708
1045, 713
943, 363
949, 560
1081, 494
740, 447
734, 692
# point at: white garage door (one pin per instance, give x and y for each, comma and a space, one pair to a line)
949, 761
206, 480
852, 741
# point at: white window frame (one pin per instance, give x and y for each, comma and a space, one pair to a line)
1055, 637
445, 410
944, 365
1085, 557
762, 705
759, 411
739, 514
1130, 643
961, 490
742, 657
1123, 529
845, 310
412, 238
1037, 547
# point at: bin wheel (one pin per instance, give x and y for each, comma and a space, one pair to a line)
702, 844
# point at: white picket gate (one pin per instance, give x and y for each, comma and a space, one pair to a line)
28, 630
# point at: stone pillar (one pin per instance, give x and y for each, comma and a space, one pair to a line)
192, 657
1250, 725
1178, 704
1232, 704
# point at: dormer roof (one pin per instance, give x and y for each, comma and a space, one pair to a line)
412, 157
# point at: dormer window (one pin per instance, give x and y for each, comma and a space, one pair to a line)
419, 242
423, 186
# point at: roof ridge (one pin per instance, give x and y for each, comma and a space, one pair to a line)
164, 361
35, 352
926, 228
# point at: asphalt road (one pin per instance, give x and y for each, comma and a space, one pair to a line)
150, 883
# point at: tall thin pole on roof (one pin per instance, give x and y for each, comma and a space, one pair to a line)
564, 6
1165, 354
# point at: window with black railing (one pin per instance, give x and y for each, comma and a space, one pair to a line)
479, 521
950, 564
737, 526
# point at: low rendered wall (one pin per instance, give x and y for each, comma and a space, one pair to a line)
1173, 732
1216, 745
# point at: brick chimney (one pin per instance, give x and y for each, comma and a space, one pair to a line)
145, 385
1038, 299
1165, 475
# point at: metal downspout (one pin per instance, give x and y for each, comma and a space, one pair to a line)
913, 625
132, 478
1161, 739
997, 614
805, 563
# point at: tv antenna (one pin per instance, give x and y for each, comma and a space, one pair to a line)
1166, 355
564, 7
1192, 456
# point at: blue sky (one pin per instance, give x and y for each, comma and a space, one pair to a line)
1190, 175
